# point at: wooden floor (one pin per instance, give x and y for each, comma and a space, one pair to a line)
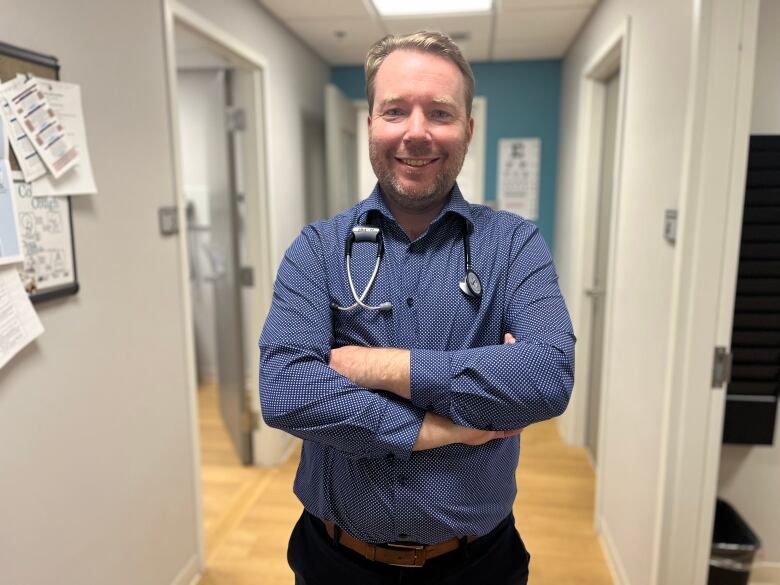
249, 512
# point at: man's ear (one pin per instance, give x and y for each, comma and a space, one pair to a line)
470, 130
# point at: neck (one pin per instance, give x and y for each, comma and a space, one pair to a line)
414, 221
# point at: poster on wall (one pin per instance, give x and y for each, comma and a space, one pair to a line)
10, 245
47, 242
519, 162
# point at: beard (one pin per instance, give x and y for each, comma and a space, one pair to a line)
422, 196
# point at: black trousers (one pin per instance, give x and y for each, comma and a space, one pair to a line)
498, 558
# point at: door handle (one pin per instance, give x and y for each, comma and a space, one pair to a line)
595, 292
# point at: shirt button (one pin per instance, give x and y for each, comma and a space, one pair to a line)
410, 301
403, 480
403, 536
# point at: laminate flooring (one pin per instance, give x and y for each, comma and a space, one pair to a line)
249, 512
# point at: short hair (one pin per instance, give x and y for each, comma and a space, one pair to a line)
435, 43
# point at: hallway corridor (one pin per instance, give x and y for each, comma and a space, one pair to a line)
249, 512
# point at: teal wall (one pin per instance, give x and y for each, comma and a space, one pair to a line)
523, 99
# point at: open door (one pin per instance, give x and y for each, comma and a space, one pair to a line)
226, 227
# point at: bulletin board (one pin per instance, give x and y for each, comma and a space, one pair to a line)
45, 223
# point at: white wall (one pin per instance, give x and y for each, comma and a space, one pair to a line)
766, 88
657, 73
749, 476
95, 448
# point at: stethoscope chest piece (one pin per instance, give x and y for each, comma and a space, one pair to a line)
470, 284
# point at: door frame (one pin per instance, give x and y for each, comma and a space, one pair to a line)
258, 209
704, 284
612, 55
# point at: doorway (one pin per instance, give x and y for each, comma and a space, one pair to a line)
598, 289
603, 104
211, 136
217, 111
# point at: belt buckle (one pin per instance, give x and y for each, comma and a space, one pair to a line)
417, 560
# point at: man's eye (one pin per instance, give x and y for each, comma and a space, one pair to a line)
440, 115
393, 112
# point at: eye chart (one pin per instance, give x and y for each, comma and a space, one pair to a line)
519, 161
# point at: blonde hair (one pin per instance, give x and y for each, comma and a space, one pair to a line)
435, 43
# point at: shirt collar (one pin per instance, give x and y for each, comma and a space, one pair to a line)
455, 204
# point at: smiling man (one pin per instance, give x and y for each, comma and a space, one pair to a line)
410, 395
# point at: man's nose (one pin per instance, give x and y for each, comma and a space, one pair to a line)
417, 127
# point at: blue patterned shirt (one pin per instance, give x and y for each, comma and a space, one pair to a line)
357, 467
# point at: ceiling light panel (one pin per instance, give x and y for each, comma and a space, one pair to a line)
546, 4
428, 7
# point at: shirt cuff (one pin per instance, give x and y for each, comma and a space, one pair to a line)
399, 429
429, 379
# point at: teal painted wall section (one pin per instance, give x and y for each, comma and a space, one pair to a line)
523, 99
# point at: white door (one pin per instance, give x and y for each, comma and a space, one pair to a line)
341, 150
598, 290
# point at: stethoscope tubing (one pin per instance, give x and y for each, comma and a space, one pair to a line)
359, 299
467, 288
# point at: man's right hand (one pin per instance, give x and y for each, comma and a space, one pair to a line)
437, 431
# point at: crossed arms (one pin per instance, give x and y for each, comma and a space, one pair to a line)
388, 369
371, 402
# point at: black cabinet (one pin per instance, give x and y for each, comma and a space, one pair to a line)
751, 400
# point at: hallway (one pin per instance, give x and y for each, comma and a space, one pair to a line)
249, 512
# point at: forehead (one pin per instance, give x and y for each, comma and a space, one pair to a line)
409, 74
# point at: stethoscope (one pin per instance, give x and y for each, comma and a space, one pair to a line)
470, 284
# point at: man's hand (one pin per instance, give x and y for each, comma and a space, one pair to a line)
384, 368
379, 368
437, 431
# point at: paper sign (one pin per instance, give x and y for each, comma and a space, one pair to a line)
10, 242
19, 324
30, 162
43, 128
65, 100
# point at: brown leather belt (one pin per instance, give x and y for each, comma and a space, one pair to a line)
398, 554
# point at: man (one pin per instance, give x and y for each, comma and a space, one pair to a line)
408, 402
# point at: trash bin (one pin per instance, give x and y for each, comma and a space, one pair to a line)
734, 545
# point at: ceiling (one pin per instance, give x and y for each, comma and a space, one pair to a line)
341, 31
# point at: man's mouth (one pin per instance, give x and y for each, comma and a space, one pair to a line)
417, 162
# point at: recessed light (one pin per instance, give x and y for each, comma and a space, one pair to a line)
420, 7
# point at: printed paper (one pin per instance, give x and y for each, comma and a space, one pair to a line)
65, 100
43, 128
19, 324
30, 163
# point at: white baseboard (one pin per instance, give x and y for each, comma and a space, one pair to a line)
765, 574
615, 566
190, 574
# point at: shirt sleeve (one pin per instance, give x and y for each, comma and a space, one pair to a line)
299, 392
507, 386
